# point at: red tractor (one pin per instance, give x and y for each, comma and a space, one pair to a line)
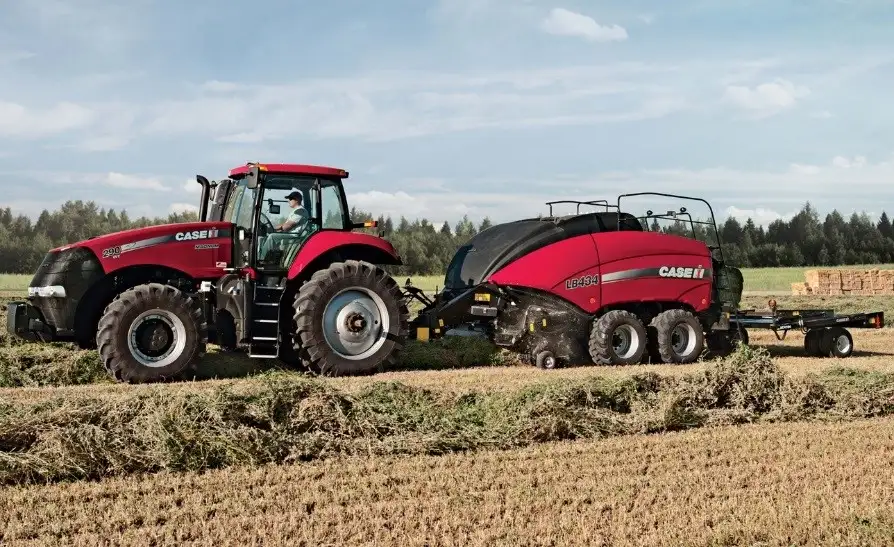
273, 266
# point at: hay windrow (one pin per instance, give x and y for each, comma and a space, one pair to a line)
287, 418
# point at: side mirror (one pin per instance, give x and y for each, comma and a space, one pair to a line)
253, 176
274, 209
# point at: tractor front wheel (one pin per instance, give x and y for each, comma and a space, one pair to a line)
350, 319
150, 333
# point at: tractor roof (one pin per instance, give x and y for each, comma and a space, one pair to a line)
291, 169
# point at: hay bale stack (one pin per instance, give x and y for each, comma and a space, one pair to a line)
850, 282
801, 289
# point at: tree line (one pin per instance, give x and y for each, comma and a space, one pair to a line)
804, 240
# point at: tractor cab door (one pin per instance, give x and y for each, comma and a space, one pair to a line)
219, 200
239, 210
293, 208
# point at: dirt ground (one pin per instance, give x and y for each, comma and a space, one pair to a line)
785, 484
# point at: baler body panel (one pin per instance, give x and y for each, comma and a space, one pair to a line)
613, 268
654, 267
565, 268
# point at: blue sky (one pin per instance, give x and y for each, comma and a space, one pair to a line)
452, 107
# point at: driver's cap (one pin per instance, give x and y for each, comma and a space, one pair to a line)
296, 195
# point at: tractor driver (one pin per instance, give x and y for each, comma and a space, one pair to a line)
299, 214
286, 232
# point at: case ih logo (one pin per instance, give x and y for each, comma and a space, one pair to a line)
681, 272
196, 234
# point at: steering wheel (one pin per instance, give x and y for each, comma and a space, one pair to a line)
269, 228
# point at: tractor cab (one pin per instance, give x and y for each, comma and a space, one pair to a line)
275, 209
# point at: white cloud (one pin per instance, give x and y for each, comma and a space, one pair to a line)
762, 195
768, 98
192, 187
391, 105
563, 22
112, 179
14, 56
21, 122
760, 216
131, 182
846, 163
183, 208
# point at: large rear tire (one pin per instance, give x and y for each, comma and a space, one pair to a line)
617, 338
680, 336
350, 319
151, 333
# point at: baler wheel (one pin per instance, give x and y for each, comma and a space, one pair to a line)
546, 360
150, 333
680, 336
836, 342
617, 338
812, 341
350, 319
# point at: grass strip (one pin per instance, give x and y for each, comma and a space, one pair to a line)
287, 418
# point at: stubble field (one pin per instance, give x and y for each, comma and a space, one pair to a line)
460, 445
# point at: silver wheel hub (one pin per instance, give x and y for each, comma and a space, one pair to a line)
355, 323
683, 339
842, 343
156, 338
625, 341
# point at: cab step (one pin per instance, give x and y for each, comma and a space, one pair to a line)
265, 338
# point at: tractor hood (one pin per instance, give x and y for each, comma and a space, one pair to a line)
194, 249
152, 235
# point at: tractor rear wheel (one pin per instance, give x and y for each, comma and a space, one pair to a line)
350, 319
617, 338
150, 333
680, 337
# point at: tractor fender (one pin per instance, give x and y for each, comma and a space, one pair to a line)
328, 246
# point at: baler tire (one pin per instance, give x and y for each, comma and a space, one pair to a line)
602, 334
185, 320
834, 336
812, 342
374, 285
666, 323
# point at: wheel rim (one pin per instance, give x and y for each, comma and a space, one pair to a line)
683, 339
355, 323
842, 344
156, 338
625, 340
